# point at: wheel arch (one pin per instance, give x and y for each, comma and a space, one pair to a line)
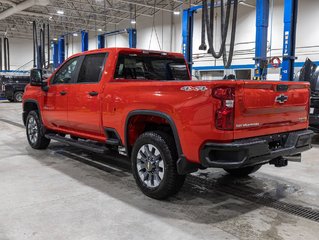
155, 114
30, 105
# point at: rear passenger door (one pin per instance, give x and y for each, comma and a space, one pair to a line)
84, 107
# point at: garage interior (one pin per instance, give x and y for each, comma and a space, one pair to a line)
65, 192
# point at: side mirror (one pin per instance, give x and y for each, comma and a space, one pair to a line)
36, 77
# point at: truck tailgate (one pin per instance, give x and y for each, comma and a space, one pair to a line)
264, 108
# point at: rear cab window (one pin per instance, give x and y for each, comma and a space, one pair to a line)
151, 67
92, 67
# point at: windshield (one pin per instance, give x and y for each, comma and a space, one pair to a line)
146, 67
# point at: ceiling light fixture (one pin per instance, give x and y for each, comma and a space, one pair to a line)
61, 12
75, 34
177, 12
99, 30
133, 21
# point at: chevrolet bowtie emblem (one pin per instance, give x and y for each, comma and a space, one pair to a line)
281, 99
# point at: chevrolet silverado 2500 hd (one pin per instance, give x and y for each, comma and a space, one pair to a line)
169, 125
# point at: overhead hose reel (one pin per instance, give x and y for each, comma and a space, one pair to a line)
6, 54
208, 24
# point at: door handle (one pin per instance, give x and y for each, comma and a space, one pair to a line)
93, 93
63, 93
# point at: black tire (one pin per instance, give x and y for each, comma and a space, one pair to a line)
18, 96
34, 126
10, 100
171, 181
243, 172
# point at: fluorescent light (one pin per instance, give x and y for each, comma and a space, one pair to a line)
133, 21
75, 34
177, 12
55, 39
99, 30
50, 17
61, 12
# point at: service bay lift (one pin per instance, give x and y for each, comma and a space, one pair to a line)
262, 20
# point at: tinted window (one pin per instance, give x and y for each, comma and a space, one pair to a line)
66, 73
147, 67
91, 68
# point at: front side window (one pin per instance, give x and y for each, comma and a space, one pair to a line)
92, 68
150, 67
66, 74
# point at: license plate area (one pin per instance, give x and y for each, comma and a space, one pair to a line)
277, 141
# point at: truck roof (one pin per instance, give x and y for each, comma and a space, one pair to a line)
131, 50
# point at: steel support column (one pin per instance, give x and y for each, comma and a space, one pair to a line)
290, 26
55, 55
100, 41
85, 40
262, 19
187, 36
132, 37
61, 51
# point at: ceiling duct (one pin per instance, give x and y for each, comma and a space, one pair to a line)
21, 6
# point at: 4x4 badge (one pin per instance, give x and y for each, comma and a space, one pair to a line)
281, 99
196, 89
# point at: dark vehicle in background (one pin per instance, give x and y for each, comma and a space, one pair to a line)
12, 87
310, 73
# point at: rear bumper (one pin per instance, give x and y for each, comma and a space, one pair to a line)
254, 151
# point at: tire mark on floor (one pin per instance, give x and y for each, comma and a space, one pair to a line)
12, 123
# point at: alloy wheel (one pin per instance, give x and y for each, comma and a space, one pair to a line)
32, 130
150, 166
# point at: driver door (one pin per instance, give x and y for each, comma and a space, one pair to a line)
55, 111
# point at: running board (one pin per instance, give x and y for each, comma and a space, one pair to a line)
97, 148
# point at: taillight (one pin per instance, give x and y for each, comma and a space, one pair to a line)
224, 118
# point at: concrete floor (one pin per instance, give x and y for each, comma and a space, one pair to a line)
58, 194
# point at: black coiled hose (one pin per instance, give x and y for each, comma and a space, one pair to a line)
209, 23
228, 61
203, 45
35, 44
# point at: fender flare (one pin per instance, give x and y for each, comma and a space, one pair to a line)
31, 101
157, 114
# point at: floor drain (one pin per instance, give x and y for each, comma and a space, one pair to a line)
259, 198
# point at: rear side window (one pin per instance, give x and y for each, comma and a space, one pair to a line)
92, 68
148, 67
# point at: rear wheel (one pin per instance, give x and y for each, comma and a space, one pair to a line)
154, 167
18, 96
35, 133
242, 172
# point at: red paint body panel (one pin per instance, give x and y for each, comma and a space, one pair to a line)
193, 112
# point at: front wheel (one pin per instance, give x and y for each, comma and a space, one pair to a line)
35, 133
243, 172
154, 167
18, 96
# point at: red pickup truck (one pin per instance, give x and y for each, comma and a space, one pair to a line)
145, 102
